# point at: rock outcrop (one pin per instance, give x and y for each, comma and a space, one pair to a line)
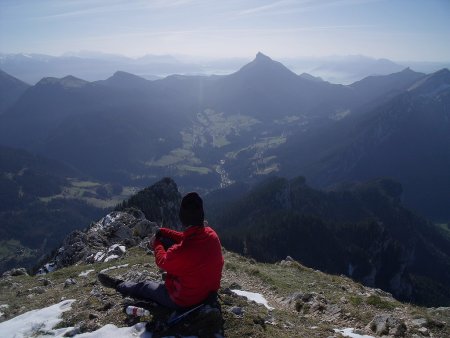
134, 220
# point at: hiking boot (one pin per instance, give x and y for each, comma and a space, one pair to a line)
108, 281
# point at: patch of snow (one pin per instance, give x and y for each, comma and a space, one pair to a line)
253, 296
112, 331
1, 314
107, 259
114, 246
114, 267
37, 323
40, 323
349, 333
85, 273
108, 219
47, 268
4, 306
99, 256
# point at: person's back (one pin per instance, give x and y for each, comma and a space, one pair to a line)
194, 265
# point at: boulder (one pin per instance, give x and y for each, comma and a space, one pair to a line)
16, 272
387, 325
144, 228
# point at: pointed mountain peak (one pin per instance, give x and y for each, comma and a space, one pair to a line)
264, 66
262, 57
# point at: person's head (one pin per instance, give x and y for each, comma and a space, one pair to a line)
191, 210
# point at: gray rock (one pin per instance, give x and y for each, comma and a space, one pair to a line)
69, 281
235, 286
144, 228
122, 232
420, 322
387, 325
96, 292
237, 310
38, 290
116, 249
45, 281
333, 310
424, 331
16, 272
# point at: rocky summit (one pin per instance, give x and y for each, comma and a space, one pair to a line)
300, 302
283, 299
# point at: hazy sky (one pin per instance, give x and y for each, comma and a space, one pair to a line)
395, 29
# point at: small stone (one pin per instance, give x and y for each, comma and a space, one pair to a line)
424, 331
235, 285
38, 289
237, 310
96, 292
45, 281
69, 281
93, 316
420, 322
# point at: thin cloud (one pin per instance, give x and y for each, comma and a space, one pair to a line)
290, 7
119, 6
268, 7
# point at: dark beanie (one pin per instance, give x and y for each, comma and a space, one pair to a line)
191, 210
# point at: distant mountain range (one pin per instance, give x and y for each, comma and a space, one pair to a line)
94, 66
207, 131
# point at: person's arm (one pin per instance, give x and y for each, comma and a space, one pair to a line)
176, 236
173, 261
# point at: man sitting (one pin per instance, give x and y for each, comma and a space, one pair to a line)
192, 259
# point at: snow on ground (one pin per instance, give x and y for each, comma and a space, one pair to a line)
253, 296
114, 246
85, 273
349, 333
114, 267
40, 323
99, 256
112, 331
109, 258
37, 323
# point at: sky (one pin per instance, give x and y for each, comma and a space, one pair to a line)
415, 30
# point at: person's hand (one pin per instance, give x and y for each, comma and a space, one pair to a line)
151, 242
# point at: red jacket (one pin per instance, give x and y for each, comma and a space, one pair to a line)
193, 265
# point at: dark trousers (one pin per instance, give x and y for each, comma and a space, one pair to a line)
150, 291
